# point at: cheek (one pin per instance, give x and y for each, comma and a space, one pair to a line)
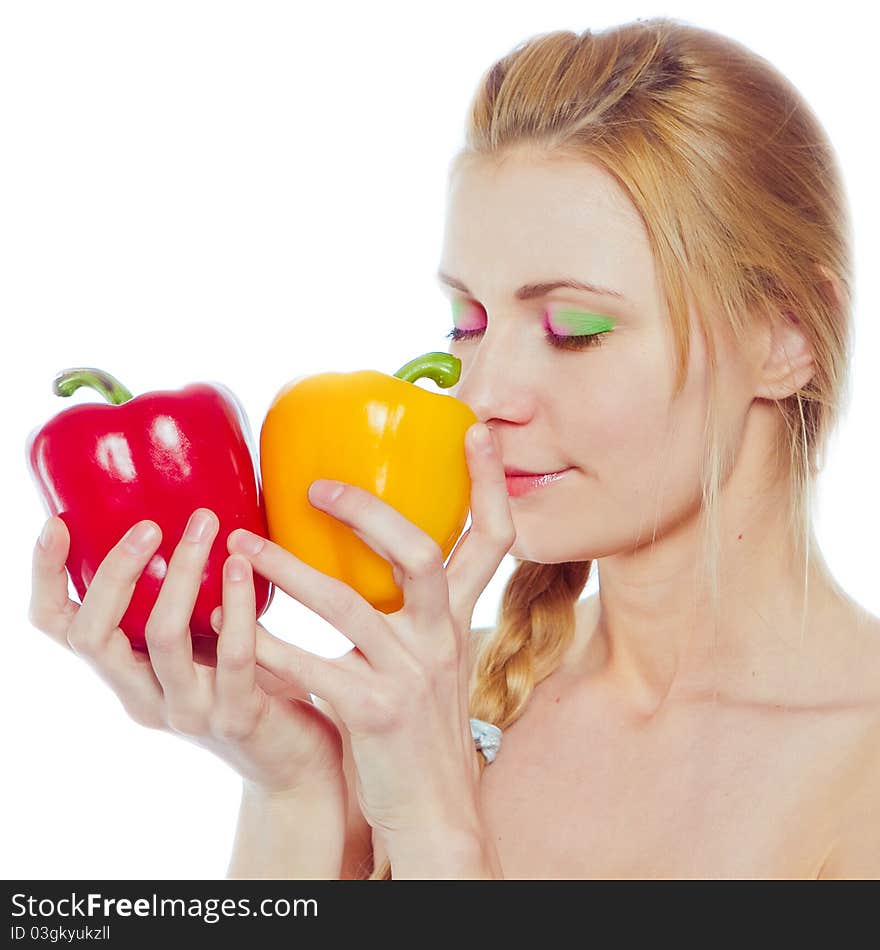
624, 418
640, 454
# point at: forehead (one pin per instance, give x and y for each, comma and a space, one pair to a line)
537, 218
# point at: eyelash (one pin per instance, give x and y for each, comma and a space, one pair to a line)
559, 342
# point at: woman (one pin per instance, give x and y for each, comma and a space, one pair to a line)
647, 251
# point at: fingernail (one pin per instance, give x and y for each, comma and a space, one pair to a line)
325, 491
217, 618
140, 537
197, 526
46, 534
235, 569
246, 541
482, 439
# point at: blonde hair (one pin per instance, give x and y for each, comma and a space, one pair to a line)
742, 198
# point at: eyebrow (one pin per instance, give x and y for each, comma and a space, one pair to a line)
541, 289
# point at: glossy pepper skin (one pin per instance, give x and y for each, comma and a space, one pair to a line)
382, 433
157, 456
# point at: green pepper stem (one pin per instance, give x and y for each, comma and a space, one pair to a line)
68, 381
443, 368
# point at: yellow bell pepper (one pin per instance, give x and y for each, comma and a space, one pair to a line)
382, 433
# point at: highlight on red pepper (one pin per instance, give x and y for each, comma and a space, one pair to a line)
382, 433
158, 456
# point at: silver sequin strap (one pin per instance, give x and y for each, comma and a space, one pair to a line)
487, 738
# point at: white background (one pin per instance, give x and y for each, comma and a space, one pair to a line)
249, 192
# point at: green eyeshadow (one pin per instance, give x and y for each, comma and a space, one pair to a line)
566, 322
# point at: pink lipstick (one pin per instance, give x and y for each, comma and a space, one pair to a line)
521, 483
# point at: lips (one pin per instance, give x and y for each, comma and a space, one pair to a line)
521, 473
523, 484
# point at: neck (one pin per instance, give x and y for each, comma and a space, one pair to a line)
653, 635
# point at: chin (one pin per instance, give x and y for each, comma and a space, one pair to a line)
550, 547
540, 553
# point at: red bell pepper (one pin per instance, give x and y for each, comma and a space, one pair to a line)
161, 455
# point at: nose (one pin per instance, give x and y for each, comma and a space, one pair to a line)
493, 380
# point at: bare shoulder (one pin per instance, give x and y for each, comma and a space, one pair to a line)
856, 663
855, 852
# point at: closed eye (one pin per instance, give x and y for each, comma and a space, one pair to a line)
578, 342
464, 312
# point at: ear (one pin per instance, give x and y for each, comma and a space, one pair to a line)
787, 357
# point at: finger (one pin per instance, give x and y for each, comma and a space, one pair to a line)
235, 682
491, 534
415, 556
167, 632
269, 683
50, 609
129, 673
94, 633
328, 597
109, 594
332, 680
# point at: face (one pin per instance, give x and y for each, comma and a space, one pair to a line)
603, 409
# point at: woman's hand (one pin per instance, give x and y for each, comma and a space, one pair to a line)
403, 692
272, 735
